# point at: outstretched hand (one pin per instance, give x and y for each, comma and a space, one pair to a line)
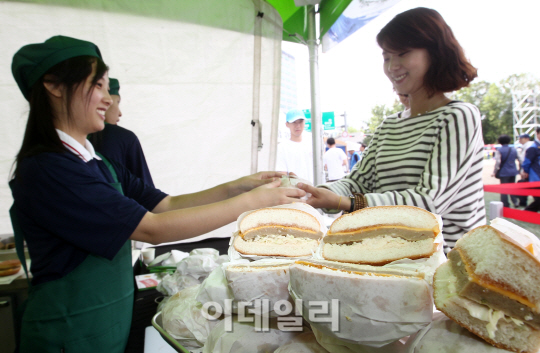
271, 194
250, 182
320, 197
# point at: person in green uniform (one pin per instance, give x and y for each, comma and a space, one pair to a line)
77, 211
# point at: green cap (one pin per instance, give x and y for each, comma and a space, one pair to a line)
114, 87
33, 60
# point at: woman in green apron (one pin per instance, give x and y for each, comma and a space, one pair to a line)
77, 211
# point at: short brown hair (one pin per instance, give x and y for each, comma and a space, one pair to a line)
423, 28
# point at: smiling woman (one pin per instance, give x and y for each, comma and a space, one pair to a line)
78, 211
432, 157
86, 113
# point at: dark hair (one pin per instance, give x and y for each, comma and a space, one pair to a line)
364, 145
331, 141
40, 134
504, 139
423, 28
538, 129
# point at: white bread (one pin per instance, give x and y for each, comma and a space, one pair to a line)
279, 221
382, 234
496, 261
278, 232
490, 286
286, 246
398, 301
379, 251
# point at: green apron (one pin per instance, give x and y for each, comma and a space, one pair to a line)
87, 311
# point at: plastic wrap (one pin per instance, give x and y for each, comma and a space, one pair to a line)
215, 288
183, 318
303, 343
444, 335
172, 284
335, 345
243, 338
197, 266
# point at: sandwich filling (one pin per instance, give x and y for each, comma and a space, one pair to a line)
394, 231
279, 239
469, 285
275, 231
446, 282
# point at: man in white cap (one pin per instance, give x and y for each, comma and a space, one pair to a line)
295, 155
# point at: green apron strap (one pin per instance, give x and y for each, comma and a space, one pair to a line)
19, 240
116, 184
109, 165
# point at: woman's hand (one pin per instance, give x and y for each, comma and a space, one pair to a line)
324, 198
250, 182
272, 195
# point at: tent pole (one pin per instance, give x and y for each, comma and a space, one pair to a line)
316, 115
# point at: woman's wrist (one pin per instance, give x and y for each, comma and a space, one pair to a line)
343, 203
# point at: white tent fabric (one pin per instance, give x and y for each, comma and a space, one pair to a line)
187, 86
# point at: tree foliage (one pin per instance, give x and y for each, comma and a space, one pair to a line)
378, 114
495, 103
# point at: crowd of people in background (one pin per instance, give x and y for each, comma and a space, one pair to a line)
528, 169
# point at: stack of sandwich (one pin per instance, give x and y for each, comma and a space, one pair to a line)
379, 264
379, 302
491, 286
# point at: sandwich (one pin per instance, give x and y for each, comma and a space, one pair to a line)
9, 267
361, 304
259, 280
490, 285
278, 232
382, 234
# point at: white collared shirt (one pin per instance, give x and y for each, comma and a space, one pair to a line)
86, 152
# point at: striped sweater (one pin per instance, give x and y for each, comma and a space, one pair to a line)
433, 161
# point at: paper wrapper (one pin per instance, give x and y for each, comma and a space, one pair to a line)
260, 280
191, 269
518, 236
444, 335
303, 343
372, 311
235, 255
215, 287
244, 339
172, 284
335, 345
291, 182
210, 252
197, 266
426, 265
183, 318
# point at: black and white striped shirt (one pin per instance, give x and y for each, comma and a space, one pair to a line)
433, 161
